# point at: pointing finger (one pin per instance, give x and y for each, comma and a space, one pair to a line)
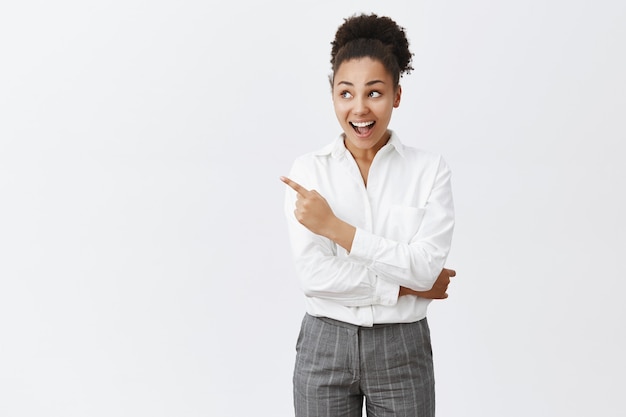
294, 185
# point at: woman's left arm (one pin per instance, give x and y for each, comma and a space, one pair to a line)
415, 263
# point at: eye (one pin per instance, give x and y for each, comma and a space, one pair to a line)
375, 94
345, 94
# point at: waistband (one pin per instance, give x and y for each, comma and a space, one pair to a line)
354, 326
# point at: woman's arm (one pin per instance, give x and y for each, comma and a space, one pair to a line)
313, 212
322, 266
439, 291
416, 264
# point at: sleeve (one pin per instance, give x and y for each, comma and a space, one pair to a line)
324, 269
418, 263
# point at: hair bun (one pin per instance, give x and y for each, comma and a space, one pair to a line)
372, 26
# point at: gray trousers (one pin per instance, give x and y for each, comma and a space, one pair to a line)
338, 365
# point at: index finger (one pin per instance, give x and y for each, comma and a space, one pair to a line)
294, 185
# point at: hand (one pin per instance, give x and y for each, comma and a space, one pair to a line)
312, 210
439, 289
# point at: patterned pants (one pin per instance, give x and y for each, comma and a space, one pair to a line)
338, 365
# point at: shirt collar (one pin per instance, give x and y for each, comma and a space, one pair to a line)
337, 148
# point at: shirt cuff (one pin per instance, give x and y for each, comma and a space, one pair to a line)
386, 293
363, 250
363, 246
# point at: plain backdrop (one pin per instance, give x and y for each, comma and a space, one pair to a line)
144, 262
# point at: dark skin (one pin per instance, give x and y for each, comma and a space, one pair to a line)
363, 90
439, 289
314, 213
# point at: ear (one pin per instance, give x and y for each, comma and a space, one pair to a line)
396, 101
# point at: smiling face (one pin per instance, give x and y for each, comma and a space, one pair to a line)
364, 97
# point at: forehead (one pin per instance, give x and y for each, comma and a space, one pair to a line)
360, 71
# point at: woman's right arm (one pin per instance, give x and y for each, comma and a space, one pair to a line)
325, 270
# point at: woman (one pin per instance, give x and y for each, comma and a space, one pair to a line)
370, 222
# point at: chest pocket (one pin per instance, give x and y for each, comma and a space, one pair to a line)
403, 222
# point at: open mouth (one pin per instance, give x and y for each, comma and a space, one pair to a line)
362, 128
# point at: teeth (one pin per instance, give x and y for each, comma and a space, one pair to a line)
362, 124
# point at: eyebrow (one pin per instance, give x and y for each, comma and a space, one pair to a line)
369, 83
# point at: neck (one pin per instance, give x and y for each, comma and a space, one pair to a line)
366, 155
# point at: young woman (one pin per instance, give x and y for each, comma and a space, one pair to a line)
370, 223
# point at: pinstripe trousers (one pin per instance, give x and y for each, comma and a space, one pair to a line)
338, 365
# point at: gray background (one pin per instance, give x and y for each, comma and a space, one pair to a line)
145, 268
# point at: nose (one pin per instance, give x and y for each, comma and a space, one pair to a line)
360, 106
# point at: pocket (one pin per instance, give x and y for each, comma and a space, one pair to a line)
403, 222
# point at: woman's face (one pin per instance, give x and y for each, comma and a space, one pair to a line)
364, 98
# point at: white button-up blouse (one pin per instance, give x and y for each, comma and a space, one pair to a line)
404, 221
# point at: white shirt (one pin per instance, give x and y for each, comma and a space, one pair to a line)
404, 221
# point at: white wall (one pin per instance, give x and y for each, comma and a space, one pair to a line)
144, 262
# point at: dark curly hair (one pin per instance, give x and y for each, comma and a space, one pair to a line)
376, 37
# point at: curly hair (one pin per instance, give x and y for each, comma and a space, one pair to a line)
376, 37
